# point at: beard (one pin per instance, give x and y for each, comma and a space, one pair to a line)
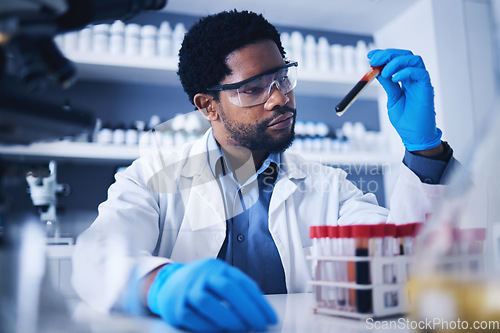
255, 138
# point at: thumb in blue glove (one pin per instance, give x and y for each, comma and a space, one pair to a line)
209, 295
410, 97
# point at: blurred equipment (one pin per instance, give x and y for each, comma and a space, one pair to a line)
28, 303
455, 283
24, 120
27, 28
44, 191
28, 53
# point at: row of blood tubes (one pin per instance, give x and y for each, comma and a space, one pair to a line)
343, 256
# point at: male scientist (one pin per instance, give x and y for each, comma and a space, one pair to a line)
210, 228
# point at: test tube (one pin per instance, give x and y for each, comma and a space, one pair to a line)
377, 240
363, 297
324, 263
469, 241
316, 267
333, 269
389, 250
404, 235
417, 226
351, 96
347, 270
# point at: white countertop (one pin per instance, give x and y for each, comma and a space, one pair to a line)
295, 312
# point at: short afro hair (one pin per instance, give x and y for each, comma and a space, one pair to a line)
202, 57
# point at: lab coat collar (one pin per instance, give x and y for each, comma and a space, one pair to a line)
204, 184
292, 167
197, 160
220, 167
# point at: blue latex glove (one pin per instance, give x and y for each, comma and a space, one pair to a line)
209, 295
410, 97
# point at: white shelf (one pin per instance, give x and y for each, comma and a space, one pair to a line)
123, 153
122, 68
72, 150
158, 70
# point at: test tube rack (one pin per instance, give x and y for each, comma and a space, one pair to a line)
383, 295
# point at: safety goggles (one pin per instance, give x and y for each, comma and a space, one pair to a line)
257, 89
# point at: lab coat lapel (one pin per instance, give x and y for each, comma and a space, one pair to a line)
284, 186
201, 193
203, 228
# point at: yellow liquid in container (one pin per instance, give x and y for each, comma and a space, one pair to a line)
451, 304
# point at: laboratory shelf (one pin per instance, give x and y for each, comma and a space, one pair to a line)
163, 71
71, 150
66, 150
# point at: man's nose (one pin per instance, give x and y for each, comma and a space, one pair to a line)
276, 97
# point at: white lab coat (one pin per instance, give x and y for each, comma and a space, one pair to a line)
167, 206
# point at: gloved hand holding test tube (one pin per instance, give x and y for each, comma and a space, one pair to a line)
352, 95
410, 97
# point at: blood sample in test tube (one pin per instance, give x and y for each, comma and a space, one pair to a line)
362, 235
348, 270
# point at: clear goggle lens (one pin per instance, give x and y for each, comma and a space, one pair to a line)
258, 90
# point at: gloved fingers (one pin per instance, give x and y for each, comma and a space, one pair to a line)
188, 317
412, 74
382, 57
213, 308
392, 89
232, 291
256, 294
178, 312
398, 63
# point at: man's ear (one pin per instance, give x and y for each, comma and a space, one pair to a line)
206, 105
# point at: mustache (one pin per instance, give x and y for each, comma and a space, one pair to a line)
282, 110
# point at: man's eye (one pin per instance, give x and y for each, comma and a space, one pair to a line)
250, 90
283, 79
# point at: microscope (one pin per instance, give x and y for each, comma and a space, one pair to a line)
28, 303
44, 191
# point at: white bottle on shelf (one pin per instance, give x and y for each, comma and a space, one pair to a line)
168, 140
178, 122
348, 57
297, 46
361, 61
59, 41
337, 61
85, 39
165, 40
119, 135
105, 134
148, 40
322, 129
132, 39
310, 53
131, 136
323, 54
100, 38
359, 134
177, 38
310, 129
285, 42
192, 124
70, 41
117, 37
154, 121
144, 137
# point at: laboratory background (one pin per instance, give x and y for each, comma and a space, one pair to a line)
126, 84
